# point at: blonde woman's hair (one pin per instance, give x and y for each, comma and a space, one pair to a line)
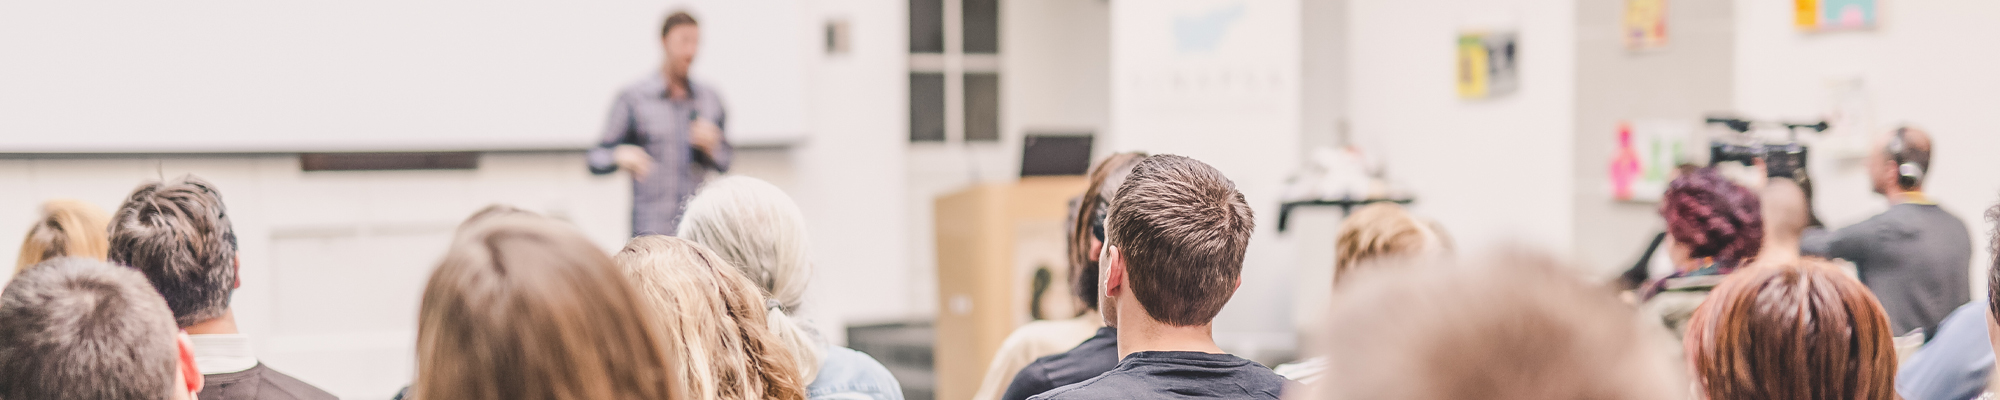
67, 228
714, 317
525, 307
756, 227
1379, 231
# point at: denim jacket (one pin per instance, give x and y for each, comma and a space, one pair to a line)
845, 374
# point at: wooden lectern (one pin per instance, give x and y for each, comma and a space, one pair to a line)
990, 238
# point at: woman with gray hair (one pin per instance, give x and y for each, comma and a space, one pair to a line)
756, 227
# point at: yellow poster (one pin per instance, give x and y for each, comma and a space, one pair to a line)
1472, 66
1806, 14
1645, 24
1487, 64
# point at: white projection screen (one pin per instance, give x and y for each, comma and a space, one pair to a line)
374, 75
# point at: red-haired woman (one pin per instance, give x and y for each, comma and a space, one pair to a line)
1792, 330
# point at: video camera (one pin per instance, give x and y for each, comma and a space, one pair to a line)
1781, 160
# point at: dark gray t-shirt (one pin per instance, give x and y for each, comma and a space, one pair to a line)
1915, 257
1176, 375
1085, 361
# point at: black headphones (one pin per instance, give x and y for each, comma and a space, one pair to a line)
1098, 213
1908, 174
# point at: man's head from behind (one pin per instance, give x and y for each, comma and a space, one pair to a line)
85, 329
178, 233
1176, 235
1993, 280
1901, 161
1786, 213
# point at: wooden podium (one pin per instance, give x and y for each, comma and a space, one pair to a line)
990, 238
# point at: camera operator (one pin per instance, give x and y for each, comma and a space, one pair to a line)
1915, 255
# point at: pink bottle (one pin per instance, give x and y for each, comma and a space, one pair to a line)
1624, 167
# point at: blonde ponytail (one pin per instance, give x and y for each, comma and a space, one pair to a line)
757, 228
805, 346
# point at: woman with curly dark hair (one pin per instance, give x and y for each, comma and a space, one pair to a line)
1713, 227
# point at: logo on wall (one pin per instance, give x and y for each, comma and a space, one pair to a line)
1202, 33
1488, 64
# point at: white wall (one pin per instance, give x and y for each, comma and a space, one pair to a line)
1680, 82
849, 177
1056, 69
225, 76
1925, 65
1236, 107
1491, 171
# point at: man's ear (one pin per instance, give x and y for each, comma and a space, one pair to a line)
236, 263
190, 374
1113, 266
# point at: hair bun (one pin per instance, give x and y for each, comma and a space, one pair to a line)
1713, 217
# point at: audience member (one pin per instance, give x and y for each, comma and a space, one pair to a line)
1173, 255
1957, 365
1383, 232
67, 228
88, 330
1377, 234
1993, 294
469, 225
755, 227
524, 307
1507, 327
488, 213
1652, 262
1786, 215
178, 234
1713, 226
1045, 355
1914, 255
1799, 330
714, 320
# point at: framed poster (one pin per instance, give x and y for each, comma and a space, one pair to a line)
1645, 24
1648, 152
1834, 15
1487, 64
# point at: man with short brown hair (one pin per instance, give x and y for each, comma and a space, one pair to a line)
178, 234
80, 329
1173, 256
